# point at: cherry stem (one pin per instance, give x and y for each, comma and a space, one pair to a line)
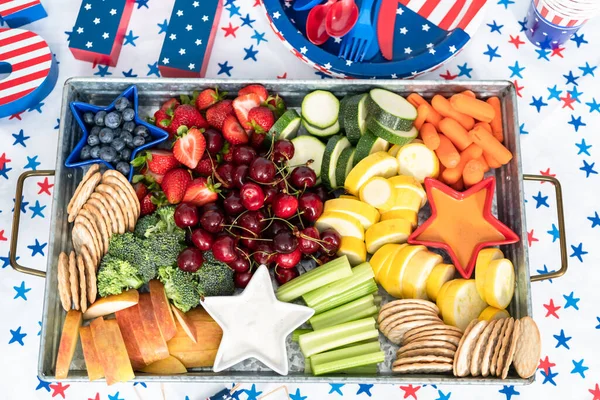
290, 225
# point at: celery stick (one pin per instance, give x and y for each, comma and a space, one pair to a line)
352, 362
352, 311
325, 274
307, 367
363, 289
377, 300
346, 352
296, 334
338, 335
360, 274
370, 369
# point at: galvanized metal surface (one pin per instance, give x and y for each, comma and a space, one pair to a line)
152, 92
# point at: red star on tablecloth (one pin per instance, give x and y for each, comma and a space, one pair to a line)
448, 76
551, 309
44, 186
530, 238
58, 389
410, 390
96, 397
284, 76
3, 160
545, 365
568, 101
230, 30
256, 3
547, 173
2, 238
17, 116
518, 88
595, 392
557, 52
516, 41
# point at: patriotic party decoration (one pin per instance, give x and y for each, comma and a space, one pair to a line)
32, 70
17, 13
189, 38
99, 31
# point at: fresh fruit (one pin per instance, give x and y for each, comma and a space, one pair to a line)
202, 239
261, 119
243, 155
289, 260
112, 351
264, 253
310, 206
201, 191
252, 196
233, 131
258, 90
147, 206
189, 147
190, 259
68, 343
186, 115
212, 221
440, 274
241, 279
233, 203
240, 264
308, 151
216, 114
484, 258
414, 280
262, 170
285, 205
214, 141
92, 359
208, 97
184, 323
202, 353
491, 313
170, 104
284, 275
284, 242
162, 309
283, 150
224, 249
242, 106
240, 175
499, 286
142, 349
175, 184
186, 215
378, 192
460, 303
330, 241
151, 328
113, 303
224, 174
354, 249
308, 240
377, 164
167, 366
418, 161
366, 214
158, 161
344, 224
303, 177
384, 232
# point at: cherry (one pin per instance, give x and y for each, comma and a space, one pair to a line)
202, 239
289, 260
332, 241
185, 215
224, 173
324, 259
243, 155
248, 240
190, 260
277, 226
281, 185
308, 240
212, 221
322, 193
240, 264
252, 196
250, 221
285, 205
210, 206
270, 193
224, 249
283, 150
311, 206
263, 254
240, 175
241, 279
262, 170
233, 203
284, 275
214, 141
303, 177
257, 139
285, 242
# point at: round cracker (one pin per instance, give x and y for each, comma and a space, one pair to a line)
488, 354
119, 203
435, 327
74, 279
476, 359
439, 332
91, 171
508, 324
431, 344
510, 353
398, 319
98, 201
462, 361
84, 194
112, 204
426, 303
437, 351
398, 308
444, 338
90, 274
462, 339
82, 283
89, 222
96, 217
396, 334
81, 236
423, 368
111, 173
529, 348
422, 359
64, 289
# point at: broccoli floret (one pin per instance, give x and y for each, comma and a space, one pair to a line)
164, 247
146, 226
130, 248
181, 287
215, 278
115, 276
166, 215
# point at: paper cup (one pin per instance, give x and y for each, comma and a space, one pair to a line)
549, 28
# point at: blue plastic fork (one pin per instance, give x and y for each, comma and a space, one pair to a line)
358, 42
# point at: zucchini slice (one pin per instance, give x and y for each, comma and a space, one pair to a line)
369, 144
391, 109
286, 127
343, 103
394, 136
320, 108
344, 165
307, 148
323, 133
354, 115
333, 150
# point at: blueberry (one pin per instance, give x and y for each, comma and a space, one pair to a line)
128, 114
95, 152
125, 154
88, 118
138, 141
129, 126
118, 144
122, 103
106, 135
108, 154
84, 154
112, 120
127, 137
99, 118
93, 140
95, 130
141, 130
123, 168
117, 132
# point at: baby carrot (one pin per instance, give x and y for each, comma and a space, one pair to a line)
456, 133
478, 109
469, 93
473, 173
458, 186
481, 159
429, 135
497, 121
485, 125
491, 145
416, 100
491, 161
453, 175
443, 106
422, 112
447, 153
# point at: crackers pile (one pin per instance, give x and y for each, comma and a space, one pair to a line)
489, 348
103, 204
427, 344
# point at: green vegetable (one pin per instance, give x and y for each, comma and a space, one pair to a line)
181, 287
146, 226
357, 309
346, 352
128, 247
162, 221
296, 334
164, 248
360, 274
215, 278
347, 363
336, 336
116, 275
363, 289
314, 279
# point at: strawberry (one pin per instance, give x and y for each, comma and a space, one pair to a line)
258, 90
175, 183
170, 104
189, 146
208, 97
242, 106
161, 119
226, 153
276, 105
233, 131
148, 178
217, 113
205, 166
185, 115
158, 161
140, 190
201, 191
146, 205
261, 119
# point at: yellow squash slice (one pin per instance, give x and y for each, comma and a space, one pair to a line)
484, 258
380, 257
344, 224
440, 274
409, 215
491, 313
384, 232
460, 303
392, 282
414, 281
354, 249
376, 164
499, 285
366, 214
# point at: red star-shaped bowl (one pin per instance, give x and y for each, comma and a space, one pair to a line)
462, 223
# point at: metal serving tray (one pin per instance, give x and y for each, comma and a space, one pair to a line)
152, 92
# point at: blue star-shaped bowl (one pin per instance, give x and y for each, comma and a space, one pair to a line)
78, 109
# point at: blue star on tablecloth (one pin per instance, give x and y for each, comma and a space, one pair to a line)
57, 123
142, 384
233, 10
17, 336
225, 68
114, 397
492, 52
505, 3
598, 326
575, 94
540, 200
595, 219
587, 69
593, 105
32, 163
37, 248
103, 71
6, 260
548, 377
37, 209
252, 393
578, 251
297, 395
23, 205
4, 171
140, 4
554, 93
247, 21
554, 233
576, 122
523, 24
259, 37
443, 396
464, 70
583, 147
509, 391
129, 74
250, 53
130, 39
571, 301
561, 340
42, 384
21, 291
336, 388
516, 70
364, 388
543, 53
20, 138
579, 368
537, 103
579, 39
571, 79
163, 26
153, 69
588, 169
494, 27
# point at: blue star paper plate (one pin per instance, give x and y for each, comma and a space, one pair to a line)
425, 34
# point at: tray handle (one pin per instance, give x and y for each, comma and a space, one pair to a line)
561, 228
17, 219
